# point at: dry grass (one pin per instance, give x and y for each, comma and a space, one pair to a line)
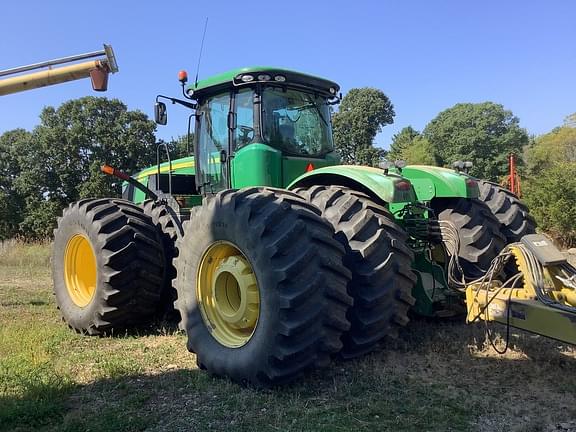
30, 255
440, 376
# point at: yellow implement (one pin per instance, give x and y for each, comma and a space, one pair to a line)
98, 71
540, 298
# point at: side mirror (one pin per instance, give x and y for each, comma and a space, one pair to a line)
160, 114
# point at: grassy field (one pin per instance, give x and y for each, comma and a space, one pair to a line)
439, 377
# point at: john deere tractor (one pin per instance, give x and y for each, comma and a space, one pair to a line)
275, 257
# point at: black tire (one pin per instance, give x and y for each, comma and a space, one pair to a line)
169, 231
478, 230
129, 265
379, 259
515, 220
302, 284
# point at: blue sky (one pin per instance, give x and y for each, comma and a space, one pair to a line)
425, 55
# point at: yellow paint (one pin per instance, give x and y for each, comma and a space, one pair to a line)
520, 308
47, 77
228, 294
80, 273
150, 171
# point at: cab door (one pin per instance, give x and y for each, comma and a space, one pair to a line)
213, 144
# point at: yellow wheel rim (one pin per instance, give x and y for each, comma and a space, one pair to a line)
80, 270
228, 295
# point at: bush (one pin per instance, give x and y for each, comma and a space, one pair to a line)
551, 197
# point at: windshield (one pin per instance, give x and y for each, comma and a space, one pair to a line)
295, 122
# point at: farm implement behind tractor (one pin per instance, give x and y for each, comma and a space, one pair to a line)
275, 258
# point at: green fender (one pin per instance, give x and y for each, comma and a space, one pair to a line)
390, 188
436, 182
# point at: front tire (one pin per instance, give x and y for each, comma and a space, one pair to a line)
261, 286
379, 259
107, 266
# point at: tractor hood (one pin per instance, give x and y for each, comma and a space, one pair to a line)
390, 188
436, 182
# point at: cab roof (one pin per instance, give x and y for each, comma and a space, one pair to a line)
233, 78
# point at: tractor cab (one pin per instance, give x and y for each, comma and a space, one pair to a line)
257, 126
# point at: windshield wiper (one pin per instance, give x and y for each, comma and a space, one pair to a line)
311, 102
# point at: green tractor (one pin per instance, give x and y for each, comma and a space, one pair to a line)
275, 257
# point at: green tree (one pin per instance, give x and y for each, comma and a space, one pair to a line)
550, 189
62, 164
483, 133
419, 152
401, 141
551, 197
180, 147
559, 145
362, 114
570, 120
11, 201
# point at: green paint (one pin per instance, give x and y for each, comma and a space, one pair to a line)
139, 196
372, 180
431, 286
192, 201
262, 165
435, 182
294, 167
257, 165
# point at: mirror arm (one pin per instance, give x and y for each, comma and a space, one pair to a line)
184, 92
190, 105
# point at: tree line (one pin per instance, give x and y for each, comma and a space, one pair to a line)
58, 162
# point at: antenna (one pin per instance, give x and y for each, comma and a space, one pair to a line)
200, 55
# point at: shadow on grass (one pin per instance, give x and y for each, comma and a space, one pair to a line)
158, 327
24, 303
440, 376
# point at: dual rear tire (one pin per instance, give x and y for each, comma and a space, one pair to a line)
107, 266
378, 256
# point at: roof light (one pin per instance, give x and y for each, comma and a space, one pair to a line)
247, 78
280, 78
183, 76
264, 77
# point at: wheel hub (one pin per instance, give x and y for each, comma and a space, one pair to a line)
228, 294
80, 270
